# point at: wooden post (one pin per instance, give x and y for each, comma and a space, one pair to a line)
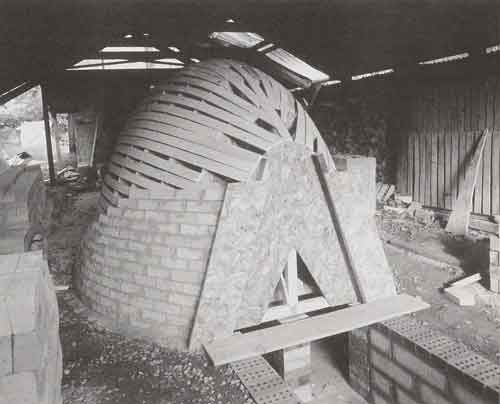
48, 142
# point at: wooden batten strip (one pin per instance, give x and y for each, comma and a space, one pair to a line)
116, 186
171, 136
194, 132
200, 161
134, 178
165, 164
218, 125
152, 172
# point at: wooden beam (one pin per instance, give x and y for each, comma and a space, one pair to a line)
48, 142
18, 90
243, 346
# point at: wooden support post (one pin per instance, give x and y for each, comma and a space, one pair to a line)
48, 142
291, 278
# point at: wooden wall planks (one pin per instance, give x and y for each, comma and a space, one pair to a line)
445, 122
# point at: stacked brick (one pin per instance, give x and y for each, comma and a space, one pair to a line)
144, 261
403, 361
495, 263
22, 207
30, 350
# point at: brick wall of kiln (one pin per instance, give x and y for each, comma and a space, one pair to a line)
144, 261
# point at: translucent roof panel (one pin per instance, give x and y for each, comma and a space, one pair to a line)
296, 65
372, 74
129, 49
86, 62
130, 66
493, 49
170, 60
239, 39
445, 59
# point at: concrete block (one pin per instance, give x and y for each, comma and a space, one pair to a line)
426, 371
381, 383
191, 253
495, 242
20, 388
186, 276
5, 341
494, 257
189, 229
403, 397
394, 372
380, 341
173, 205
379, 399
462, 393
8, 263
203, 206
431, 395
27, 352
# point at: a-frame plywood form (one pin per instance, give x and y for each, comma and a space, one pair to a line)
327, 217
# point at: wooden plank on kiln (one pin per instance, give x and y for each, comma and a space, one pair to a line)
243, 346
458, 222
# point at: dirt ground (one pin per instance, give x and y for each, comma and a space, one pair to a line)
101, 366
476, 326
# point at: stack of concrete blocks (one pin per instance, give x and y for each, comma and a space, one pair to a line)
144, 261
406, 361
30, 350
294, 365
495, 262
22, 206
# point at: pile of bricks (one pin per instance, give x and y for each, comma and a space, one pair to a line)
404, 361
144, 261
22, 206
495, 263
30, 350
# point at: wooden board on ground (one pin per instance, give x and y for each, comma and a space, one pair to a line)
461, 295
462, 208
255, 343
